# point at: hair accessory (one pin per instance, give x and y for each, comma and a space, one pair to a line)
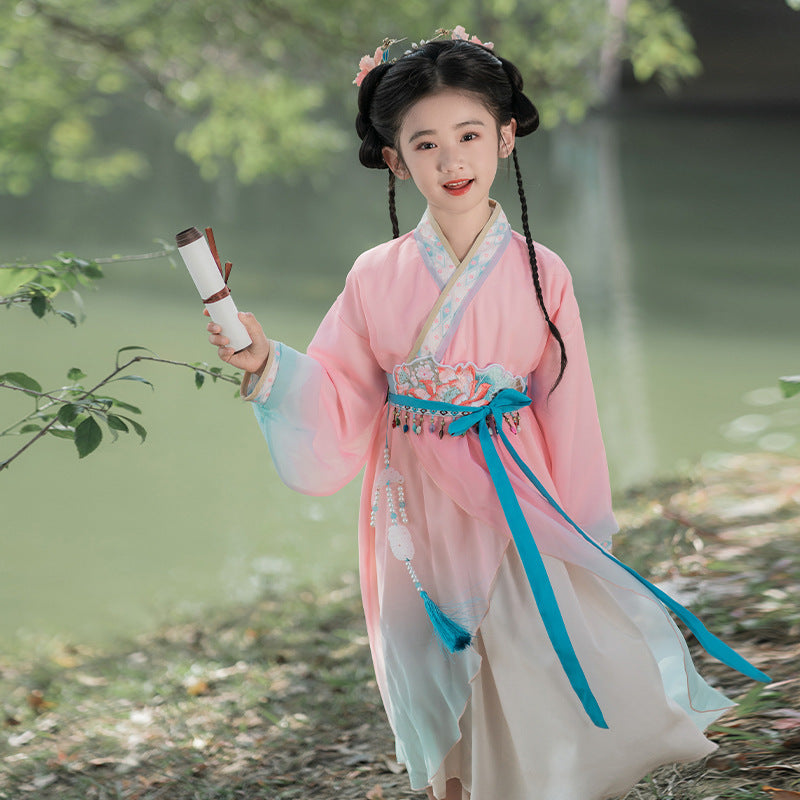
381, 56
368, 62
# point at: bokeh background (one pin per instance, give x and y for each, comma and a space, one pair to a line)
665, 175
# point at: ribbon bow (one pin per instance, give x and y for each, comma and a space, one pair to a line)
504, 402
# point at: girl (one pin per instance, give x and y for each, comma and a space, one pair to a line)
515, 656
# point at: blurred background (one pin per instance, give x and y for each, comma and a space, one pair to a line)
665, 175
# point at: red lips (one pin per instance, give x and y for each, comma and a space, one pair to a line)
458, 187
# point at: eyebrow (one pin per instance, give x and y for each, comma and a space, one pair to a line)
466, 124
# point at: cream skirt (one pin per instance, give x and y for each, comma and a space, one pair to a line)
524, 736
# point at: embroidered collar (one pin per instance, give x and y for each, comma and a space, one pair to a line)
458, 282
438, 255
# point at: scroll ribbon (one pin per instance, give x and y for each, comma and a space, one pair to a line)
226, 272
510, 400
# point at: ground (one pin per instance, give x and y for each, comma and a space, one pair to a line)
277, 700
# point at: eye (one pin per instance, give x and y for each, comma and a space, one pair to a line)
468, 137
426, 146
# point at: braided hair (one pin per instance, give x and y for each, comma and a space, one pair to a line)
390, 89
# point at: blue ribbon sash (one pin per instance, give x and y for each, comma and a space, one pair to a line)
509, 401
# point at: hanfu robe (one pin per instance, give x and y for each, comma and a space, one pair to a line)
500, 715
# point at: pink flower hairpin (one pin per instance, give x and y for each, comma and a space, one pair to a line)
381, 56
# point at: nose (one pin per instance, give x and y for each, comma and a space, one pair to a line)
449, 160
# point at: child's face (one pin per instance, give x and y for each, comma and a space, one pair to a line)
449, 146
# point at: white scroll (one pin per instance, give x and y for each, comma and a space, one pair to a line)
207, 275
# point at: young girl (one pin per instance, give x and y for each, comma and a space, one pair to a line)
516, 658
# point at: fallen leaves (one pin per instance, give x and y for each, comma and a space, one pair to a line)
781, 794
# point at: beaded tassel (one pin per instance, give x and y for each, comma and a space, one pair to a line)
452, 635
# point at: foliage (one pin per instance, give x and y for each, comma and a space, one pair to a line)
790, 385
659, 44
252, 83
38, 284
73, 411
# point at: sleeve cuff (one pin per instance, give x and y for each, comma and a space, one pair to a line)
257, 389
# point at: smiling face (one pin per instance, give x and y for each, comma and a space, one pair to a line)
448, 144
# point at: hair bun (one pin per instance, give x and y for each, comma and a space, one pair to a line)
370, 153
522, 109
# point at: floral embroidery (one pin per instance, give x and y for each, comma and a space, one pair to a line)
463, 384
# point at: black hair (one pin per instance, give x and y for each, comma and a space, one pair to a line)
390, 89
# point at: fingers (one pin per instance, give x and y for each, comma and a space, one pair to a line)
225, 353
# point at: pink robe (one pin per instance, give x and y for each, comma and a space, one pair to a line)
499, 715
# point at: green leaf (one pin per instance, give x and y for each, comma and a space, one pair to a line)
137, 378
199, 379
88, 436
69, 317
12, 279
126, 406
142, 433
116, 423
39, 305
30, 428
22, 380
67, 413
62, 433
790, 385
76, 374
133, 347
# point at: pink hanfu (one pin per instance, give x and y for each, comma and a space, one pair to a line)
499, 715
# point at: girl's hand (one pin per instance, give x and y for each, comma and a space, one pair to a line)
254, 357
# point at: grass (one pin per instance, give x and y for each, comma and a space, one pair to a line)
277, 700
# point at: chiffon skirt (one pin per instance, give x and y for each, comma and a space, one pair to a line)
523, 733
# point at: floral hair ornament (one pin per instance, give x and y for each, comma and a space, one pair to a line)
368, 62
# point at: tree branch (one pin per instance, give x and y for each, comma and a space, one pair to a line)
110, 377
112, 43
105, 260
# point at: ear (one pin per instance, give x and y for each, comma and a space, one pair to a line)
507, 138
395, 163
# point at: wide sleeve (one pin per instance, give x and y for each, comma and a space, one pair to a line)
570, 426
319, 410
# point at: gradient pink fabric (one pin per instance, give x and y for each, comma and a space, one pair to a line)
324, 415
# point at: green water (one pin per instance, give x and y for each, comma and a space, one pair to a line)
681, 234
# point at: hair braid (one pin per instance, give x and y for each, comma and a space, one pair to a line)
392, 207
535, 271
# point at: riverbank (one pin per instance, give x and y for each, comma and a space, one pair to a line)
277, 700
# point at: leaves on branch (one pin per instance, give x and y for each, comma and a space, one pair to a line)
22, 380
67, 413
130, 347
250, 103
75, 412
88, 436
116, 423
138, 378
